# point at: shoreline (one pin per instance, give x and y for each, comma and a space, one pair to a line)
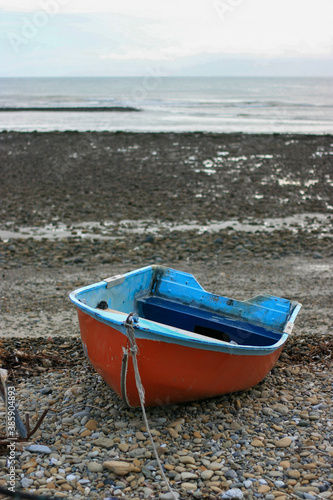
197, 133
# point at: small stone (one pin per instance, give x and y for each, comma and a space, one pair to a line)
104, 442
264, 488
93, 454
66, 487
233, 493
275, 473
313, 416
84, 420
231, 473
257, 443
86, 433
238, 404
215, 466
186, 476
207, 474
95, 467
25, 482
169, 495
173, 433
137, 452
294, 474
149, 239
118, 467
310, 466
39, 448
259, 469
285, 464
123, 447
91, 425
46, 390
282, 409
306, 489
187, 460
169, 466
70, 477
235, 426
73, 391
283, 443
262, 481
177, 423
47, 363
30, 464
189, 486
121, 425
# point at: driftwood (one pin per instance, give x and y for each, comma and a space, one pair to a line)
23, 429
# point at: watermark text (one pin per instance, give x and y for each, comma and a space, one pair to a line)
11, 433
30, 25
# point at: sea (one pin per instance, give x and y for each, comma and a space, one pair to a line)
168, 104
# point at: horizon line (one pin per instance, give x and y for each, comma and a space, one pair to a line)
168, 77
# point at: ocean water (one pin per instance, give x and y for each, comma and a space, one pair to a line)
251, 105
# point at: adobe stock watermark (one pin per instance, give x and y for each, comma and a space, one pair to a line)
225, 7
11, 433
150, 82
30, 25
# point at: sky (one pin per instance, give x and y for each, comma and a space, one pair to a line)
168, 37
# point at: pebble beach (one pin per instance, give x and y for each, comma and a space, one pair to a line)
246, 214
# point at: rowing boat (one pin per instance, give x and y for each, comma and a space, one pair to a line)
189, 344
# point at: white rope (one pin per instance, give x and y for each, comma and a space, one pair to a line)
134, 351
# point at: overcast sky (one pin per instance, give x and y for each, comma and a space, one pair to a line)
127, 37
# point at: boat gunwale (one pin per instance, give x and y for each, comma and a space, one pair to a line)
151, 330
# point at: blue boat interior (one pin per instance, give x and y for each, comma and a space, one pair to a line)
174, 298
204, 322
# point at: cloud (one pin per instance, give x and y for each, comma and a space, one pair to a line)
109, 33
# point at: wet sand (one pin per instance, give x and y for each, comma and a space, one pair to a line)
171, 177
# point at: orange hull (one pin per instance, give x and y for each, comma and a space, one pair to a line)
170, 373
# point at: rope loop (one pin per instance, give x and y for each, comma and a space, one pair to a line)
130, 320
